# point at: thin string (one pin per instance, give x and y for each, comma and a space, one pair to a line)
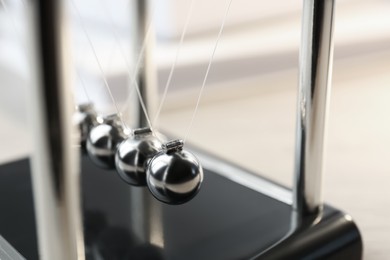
180, 44
84, 88
98, 63
208, 70
13, 23
134, 81
137, 66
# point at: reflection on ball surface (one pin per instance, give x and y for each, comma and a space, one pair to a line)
84, 119
103, 140
133, 154
174, 176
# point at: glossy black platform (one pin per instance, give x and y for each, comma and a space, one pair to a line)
225, 221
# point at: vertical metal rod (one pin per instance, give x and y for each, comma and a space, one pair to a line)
316, 57
146, 211
55, 158
147, 76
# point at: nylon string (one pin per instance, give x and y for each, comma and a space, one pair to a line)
98, 63
208, 70
188, 18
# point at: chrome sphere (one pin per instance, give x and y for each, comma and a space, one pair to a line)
103, 140
133, 154
174, 176
84, 119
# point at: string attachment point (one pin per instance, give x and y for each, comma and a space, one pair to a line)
173, 146
134, 153
174, 176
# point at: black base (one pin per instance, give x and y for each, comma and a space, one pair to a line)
225, 221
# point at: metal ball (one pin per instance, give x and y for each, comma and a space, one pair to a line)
174, 176
103, 140
133, 155
84, 119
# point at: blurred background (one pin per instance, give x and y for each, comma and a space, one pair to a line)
248, 109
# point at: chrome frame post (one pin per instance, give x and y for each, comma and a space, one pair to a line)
55, 158
146, 210
147, 74
316, 57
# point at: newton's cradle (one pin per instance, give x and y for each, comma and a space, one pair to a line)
126, 193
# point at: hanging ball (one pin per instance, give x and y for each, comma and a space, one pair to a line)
174, 176
103, 140
84, 119
134, 153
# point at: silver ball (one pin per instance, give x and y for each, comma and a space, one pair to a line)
84, 119
133, 155
174, 176
103, 140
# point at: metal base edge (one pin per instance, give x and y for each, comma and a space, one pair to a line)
332, 235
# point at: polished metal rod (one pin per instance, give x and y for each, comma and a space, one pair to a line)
55, 157
147, 74
316, 56
146, 211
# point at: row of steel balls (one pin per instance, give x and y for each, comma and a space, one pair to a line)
173, 175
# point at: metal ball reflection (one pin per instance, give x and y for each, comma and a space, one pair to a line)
84, 119
133, 154
174, 176
103, 140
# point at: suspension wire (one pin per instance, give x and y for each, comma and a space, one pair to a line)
98, 63
134, 78
229, 2
84, 87
162, 102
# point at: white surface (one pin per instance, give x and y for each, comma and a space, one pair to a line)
356, 22
258, 131
276, 30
